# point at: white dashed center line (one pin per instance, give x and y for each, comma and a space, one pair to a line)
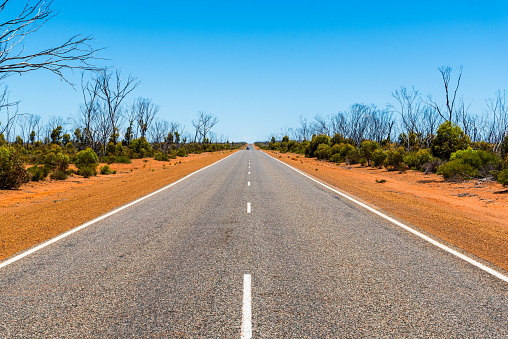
246, 308
249, 172
248, 184
248, 207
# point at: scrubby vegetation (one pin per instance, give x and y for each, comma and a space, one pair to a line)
450, 154
415, 133
12, 169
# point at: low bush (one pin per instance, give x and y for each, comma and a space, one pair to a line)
367, 149
159, 156
502, 177
323, 151
122, 159
415, 160
181, 152
12, 169
395, 160
457, 171
378, 158
87, 162
105, 170
58, 175
38, 173
353, 156
314, 143
469, 163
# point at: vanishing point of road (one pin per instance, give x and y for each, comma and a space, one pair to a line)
247, 248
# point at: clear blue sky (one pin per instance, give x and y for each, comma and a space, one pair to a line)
258, 65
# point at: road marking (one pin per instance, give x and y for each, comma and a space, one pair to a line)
246, 308
248, 207
93, 221
249, 172
407, 228
248, 184
249, 166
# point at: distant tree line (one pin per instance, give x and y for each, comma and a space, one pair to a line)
414, 132
106, 128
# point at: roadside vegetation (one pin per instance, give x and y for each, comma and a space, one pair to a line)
106, 129
415, 133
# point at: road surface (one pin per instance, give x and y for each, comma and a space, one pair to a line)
247, 247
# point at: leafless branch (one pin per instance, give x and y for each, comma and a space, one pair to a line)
75, 53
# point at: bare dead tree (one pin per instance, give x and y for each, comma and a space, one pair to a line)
89, 111
203, 124
159, 129
411, 112
498, 127
6, 109
450, 100
303, 130
430, 122
112, 90
144, 112
27, 18
320, 125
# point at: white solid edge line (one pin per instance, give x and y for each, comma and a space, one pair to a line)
104, 216
246, 308
248, 207
407, 228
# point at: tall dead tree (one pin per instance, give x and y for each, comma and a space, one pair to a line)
304, 129
498, 127
448, 113
112, 91
5, 108
19, 19
144, 112
203, 124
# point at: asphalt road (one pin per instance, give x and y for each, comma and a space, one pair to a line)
173, 265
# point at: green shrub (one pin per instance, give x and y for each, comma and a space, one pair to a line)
367, 149
469, 163
111, 148
504, 147
502, 177
159, 156
476, 158
87, 162
106, 170
58, 175
456, 170
181, 152
395, 160
108, 159
140, 147
415, 160
12, 169
38, 173
122, 159
323, 151
314, 143
378, 158
337, 138
344, 152
449, 139
353, 155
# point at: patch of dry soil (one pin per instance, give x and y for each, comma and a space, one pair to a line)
41, 210
471, 215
